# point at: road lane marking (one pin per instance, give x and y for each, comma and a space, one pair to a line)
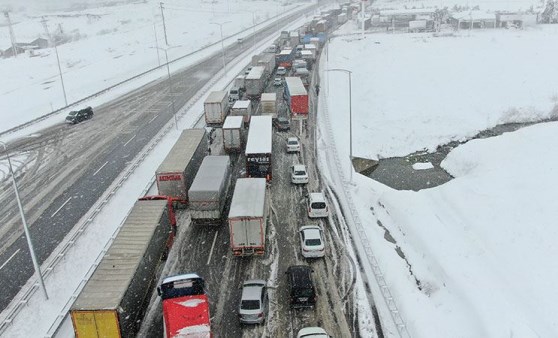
62, 206
95, 173
153, 119
212, 246
9, 259
130, 140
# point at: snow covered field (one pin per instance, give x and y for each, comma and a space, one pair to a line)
477, 253
109, 45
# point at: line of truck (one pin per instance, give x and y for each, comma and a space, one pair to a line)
113, 301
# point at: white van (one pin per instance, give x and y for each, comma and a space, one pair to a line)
317, 205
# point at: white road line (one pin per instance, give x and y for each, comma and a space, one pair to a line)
212, 246
130, 140
9, 259
62, 206
153, 119
95, 173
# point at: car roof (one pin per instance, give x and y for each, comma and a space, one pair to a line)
311, 232
252, 289
299, 167
310, 331
317, 197
300, 275
292, 139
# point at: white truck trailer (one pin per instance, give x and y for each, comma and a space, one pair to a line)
209, 190
248, 217
269, 104
242, 108
216, 107
255, 82
232, 134
175, 175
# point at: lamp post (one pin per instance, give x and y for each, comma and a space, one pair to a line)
25, 228
169, 81
222, 44
350, 116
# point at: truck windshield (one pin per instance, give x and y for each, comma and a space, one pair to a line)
182, 288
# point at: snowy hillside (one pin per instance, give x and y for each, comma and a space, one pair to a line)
472, 257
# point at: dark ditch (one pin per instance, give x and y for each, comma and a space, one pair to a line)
398, 172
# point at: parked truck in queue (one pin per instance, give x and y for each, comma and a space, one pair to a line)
216, 107
114, 299
185, 307
296, 96
233, 134
177, 171
248, 217
255, 82
208, 193
268, 104
258, 150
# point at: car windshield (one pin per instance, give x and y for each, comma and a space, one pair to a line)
283, 122
293, 142
300, 172
305, 292
313, 242
250, 305
72, 113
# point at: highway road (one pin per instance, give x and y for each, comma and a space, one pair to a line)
206, 251
67, 168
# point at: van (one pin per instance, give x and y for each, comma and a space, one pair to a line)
317, 205
302, 292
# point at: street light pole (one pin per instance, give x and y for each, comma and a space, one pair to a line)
222, 44
350, 116
25, 227
170, 89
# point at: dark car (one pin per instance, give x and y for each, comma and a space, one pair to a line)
302, 292
282, 124
76, 116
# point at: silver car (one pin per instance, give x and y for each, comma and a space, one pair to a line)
253, 302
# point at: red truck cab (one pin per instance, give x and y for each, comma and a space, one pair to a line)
185, 306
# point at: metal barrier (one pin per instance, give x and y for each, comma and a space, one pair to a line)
355, 223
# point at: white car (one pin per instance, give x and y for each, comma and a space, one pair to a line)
317, 205
299, 175
281, 71
293, 145
312, 332
311, 241
277, 81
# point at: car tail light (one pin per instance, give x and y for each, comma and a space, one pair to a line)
260, 315
305, 250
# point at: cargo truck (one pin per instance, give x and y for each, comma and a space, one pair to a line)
208, 193
216, 107
285, 57
248, 217
259, 148
232, 134
255, 82
296, 96
268, 62
113, 301
242, 108
268, 104
175, 175
185, 307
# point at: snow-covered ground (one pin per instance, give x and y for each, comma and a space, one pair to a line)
479, 250
110, 44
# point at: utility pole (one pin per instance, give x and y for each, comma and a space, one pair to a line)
12, 35
164, 26
53, 42
157, 44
